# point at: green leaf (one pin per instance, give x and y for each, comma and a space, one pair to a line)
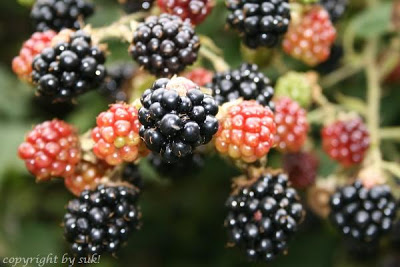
372, 22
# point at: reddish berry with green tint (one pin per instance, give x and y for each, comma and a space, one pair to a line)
199, 76
194, 10
51, 149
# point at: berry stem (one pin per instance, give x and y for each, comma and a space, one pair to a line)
390, 133
217, 61
341, 74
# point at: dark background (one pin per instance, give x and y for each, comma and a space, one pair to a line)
182, 217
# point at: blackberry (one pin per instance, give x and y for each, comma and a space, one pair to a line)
118, 77
335, 8
60, 14
260, 23
131, 174
263, 216
101, 220
132, 6
69, 68
246, 82
165, 45
363, 214
176, 117
333, 61
178, 169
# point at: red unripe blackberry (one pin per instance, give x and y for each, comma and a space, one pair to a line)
101, 220
260, 23
51, 149
346, 141
264, 216
164, 45
301, 167
311, 39
60, 14
116, 135
291, 125
361, 213
194, 10
199, 76
87, 176
246, 131
22, 64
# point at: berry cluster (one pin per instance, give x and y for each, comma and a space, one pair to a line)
335, 8
362, 213
165, 45
22, 64
262, 217
51, 149
296, 86
60, 14
194, 10
87, 176
246, 131
291, 125
301, 167
132, 6
261, 23
346, 141
101, 220
116, 135
176, 117
69, 68
199, 76
311, 39
246, 82
117, 78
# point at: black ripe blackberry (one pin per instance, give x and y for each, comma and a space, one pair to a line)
246, 82
118, 77
165, 45
60, 14
176, 117
333, 61
263, 216
101, 220
259, 22
69, 68
131, 174
132, 6
178, 169
363, 214
335, 8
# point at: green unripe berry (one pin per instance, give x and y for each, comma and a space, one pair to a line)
296, 86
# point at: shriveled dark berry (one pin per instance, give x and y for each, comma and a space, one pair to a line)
131, 174
335, 8
132, 6
118, 77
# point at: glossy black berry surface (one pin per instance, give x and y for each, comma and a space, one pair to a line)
176, 119
118, 77
259, 22
69, 68
165, 45
60, 14
246, 81
361, 213
101, 220
263, 217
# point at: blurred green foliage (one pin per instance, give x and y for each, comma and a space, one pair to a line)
182, 218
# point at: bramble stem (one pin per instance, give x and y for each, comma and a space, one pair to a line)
390, 133
217, 61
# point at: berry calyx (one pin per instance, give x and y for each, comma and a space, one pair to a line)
246, 81
22, 64
60, 14
101, 220
51, 149
246, 131
176, 118
291, 125
87, 176
199, 76
296, 86
311, 39
302, 168
165, 45
116, 135
264, 216
363, 214
346, 141
69, 68
194, 10
260, 23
